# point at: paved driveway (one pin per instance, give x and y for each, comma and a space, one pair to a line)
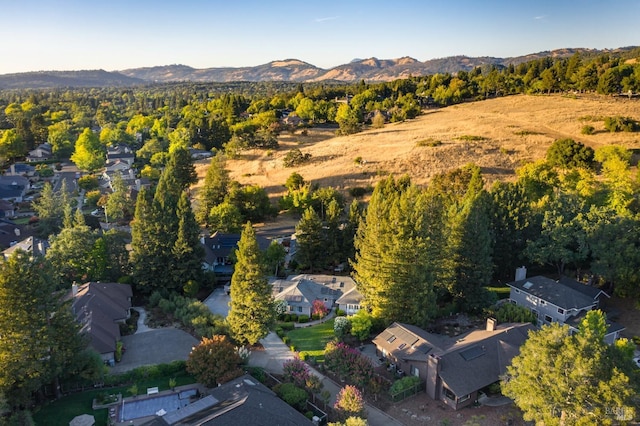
218, 302
159, 346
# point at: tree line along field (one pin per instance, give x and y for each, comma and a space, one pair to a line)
499, 135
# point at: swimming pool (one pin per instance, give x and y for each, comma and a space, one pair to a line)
136, 408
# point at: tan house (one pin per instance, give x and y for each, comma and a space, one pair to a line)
456, 368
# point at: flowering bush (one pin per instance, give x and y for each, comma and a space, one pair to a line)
296, 371
319, 308
341, 326
349, 402
348, 363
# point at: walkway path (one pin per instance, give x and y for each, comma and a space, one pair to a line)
142, 327
275, 353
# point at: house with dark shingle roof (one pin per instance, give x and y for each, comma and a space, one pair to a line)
100, 308
456, 368
242, 401
13, 188
32, 245
218, 249
564, 301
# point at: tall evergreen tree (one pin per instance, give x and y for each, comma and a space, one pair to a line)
469, 265
187, 250
311, 252
181, 164
214, 189
251, 310
32, 319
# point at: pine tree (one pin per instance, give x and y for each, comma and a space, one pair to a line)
187, 250
181, 165
311, 251
214, 190
251, 310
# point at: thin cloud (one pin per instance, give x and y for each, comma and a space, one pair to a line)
328, 18
540, 18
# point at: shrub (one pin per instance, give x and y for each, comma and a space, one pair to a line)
44, 170
341, 326
429, 142
404, 384
349, 402
587, 129
88, 183
295, 371
293, 317
295, 157
291, 394
621, 124
286, 317
303, 318
568, 154
340, 313
358, 160
471, 138
358, 191
286, 340
287, 326
319, 308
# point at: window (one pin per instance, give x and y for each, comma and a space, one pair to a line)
299, 308
560, 311
517, 291
548, 319
391, 339
448, 394
402, 345
542, 302
464, 398
535, 312
415, 371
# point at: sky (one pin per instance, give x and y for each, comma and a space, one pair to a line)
44, 35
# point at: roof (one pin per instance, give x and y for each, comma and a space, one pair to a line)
243, 401
97, 306
351, 297
221, 245
481, 357
566, 293
32, 245
468, 362
302, 292
574, 322
11, 233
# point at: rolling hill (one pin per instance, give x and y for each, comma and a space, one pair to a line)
498, 134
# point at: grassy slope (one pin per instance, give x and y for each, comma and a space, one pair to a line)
516, 129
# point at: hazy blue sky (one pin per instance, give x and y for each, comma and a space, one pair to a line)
119, 34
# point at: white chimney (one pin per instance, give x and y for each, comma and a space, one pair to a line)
521, 273
138, 185
131, 174
491, 324
74, 289
16, 231
13, 169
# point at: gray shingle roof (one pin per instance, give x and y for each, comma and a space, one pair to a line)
566, 294
575, 321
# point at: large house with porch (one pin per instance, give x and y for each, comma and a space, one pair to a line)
456, 368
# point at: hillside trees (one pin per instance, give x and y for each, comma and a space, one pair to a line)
214, 190
251, 311
571, 379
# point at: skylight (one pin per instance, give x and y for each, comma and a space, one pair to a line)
472, 353
528, 285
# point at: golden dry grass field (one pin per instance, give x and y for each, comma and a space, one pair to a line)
499, 135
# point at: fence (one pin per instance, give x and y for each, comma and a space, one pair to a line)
406, 393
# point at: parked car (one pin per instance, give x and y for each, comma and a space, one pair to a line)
97, 212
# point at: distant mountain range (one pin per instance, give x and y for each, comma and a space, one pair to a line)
370, 70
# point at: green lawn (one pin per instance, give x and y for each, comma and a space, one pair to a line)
312, 340
62, 411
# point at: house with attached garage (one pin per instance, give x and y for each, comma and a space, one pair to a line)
564, 301
454, 369
218, 249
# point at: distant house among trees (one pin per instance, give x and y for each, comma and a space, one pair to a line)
13, 188
32, 245
42, 152
218, 249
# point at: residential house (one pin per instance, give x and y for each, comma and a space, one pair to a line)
300, 291
218, 248
122, 153
7, 209
351, 301
21, 169
42, 152
242, 401
199, 154
564, 301
32, 245
456, 368
10, 233
100, 308
13, 188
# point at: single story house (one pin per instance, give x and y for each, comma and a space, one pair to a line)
242, 401
456, 368
21, 169
100, 308
564, 301
350, 302
300, 291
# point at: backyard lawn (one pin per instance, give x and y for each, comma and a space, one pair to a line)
312, 340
